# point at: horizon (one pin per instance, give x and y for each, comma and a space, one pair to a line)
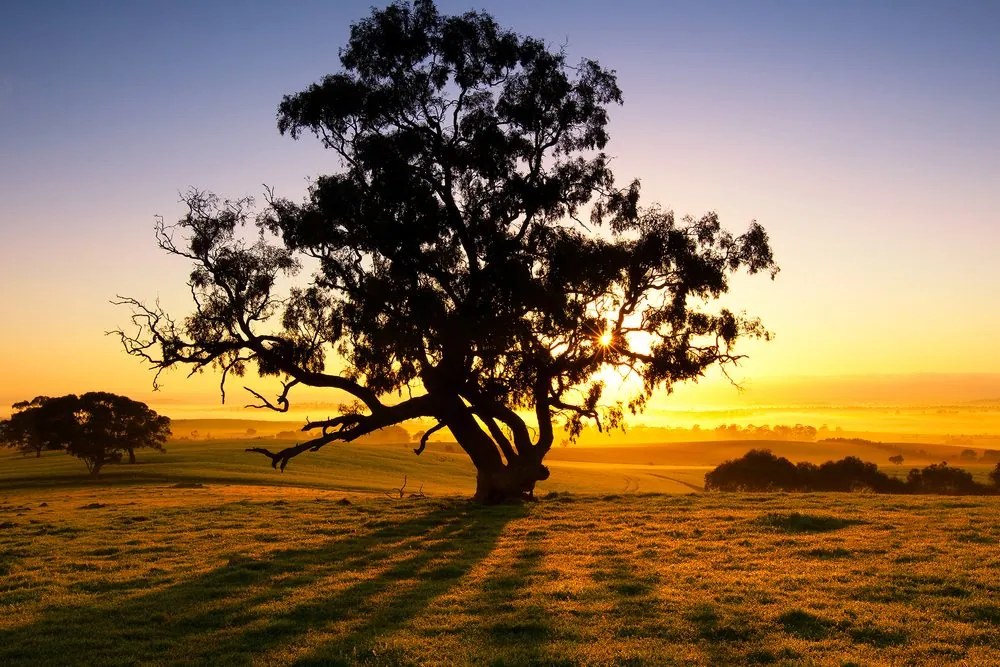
965, 413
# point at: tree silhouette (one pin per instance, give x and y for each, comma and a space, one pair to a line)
942, 478
97, 427
38, 424
473, 260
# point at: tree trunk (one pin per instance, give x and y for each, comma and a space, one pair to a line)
38, 453
496, 481
131, 455
511, 482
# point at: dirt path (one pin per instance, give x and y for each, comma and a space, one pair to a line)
693, 487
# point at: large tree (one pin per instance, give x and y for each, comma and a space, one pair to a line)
96, 427
472, 260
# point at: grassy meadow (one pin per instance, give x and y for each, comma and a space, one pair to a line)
205, 555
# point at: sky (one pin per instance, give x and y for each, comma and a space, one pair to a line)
865, 137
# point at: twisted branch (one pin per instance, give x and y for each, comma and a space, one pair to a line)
427, 434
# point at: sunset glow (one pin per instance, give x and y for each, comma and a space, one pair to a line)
872, 163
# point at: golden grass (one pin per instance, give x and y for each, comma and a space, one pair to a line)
248, 574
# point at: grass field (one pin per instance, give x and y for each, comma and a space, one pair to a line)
205, 555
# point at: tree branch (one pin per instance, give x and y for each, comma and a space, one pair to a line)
282, 400
350, 426
427, 434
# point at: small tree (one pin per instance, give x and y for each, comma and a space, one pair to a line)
896, 459
39, 424
23, 430
995, 476
97, 427
968, 455
121, 424
455, 261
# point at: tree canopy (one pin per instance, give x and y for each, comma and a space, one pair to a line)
471, 261
97, 427
38, 424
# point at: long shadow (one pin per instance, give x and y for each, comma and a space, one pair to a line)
383, 613
518, 630
637, 608
249, 606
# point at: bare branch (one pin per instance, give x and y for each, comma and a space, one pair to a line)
399, 491
282, 400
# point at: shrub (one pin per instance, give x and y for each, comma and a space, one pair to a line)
761, 470
942, 478
853, 474
757, 470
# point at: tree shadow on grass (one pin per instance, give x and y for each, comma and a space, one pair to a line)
723, 635
362, 586
516, 629
806, 523
506, 628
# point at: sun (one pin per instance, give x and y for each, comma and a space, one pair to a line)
605, 339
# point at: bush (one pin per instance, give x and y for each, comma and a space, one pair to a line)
942, 478
853, 474
758, 470
761, 470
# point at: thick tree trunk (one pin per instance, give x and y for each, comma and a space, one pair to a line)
497, 481
131, 455
512, 482
38, 453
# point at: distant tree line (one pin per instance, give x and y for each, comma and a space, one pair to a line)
799, 432
761, 470
97, 427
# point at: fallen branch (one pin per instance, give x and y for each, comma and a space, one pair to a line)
400, 493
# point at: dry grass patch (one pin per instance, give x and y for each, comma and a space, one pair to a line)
264, 575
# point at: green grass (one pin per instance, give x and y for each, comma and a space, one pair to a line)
343, 467
207, 556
